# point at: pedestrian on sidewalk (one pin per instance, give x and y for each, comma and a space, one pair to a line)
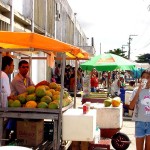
140, 102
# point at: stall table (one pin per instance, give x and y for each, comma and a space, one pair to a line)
37, 113
95, 97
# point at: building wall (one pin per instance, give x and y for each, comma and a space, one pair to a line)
61, 22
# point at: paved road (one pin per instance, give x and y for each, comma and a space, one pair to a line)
128, 128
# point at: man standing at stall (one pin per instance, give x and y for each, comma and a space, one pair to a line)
7, 69
21, 81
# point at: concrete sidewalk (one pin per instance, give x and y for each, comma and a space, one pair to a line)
129, 128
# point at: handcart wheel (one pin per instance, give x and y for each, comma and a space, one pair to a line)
120, 141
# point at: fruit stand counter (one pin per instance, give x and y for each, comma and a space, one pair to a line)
109, 119
37, 113
95, 97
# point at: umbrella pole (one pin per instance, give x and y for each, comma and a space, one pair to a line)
75, 85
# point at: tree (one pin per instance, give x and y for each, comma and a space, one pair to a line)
118, 52
145, 58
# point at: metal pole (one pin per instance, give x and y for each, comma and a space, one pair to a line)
75, 85
61, 98
129, 47
100, 49
0, 79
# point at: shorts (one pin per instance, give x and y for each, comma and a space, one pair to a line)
142, 129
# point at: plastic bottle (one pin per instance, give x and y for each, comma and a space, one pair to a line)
97, 135
4, 100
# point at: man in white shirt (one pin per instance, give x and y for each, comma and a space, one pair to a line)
7, 68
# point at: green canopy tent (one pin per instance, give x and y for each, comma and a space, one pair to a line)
107, 62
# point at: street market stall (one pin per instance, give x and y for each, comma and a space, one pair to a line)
109, 121
30, 43
106, 62
95, 97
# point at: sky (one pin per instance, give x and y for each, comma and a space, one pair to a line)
111, 22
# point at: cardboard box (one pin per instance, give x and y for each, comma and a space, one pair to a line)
30, 132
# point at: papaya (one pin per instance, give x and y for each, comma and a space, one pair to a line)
52, 91
42, 105
46, 99
116, 101
16, 103
56, 97
40, 91
10, 101
30, 89
48, 93
22, 97
53, 85
53, 105
31, 104
31, 97
46, 87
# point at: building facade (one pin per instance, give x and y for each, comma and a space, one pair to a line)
52, 18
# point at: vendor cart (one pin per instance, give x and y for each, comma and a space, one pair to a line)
108, 119
22, 43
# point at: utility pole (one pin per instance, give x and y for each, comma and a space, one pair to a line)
129, 51
100, 49
129, 45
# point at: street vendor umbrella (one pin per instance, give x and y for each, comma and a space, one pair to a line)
107, 62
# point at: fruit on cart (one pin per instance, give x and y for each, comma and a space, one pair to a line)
40, 91
42, 105
46, 87
64, 103
22, 97
107, 102
30, 89
66, 94
42, 94
46, 99
53, 85
116, 101
10, 101
56, 97
67, 101
52, 91
53, 105
15, 103
31, 104
56, 93
31, 97
48, 93
58, 88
